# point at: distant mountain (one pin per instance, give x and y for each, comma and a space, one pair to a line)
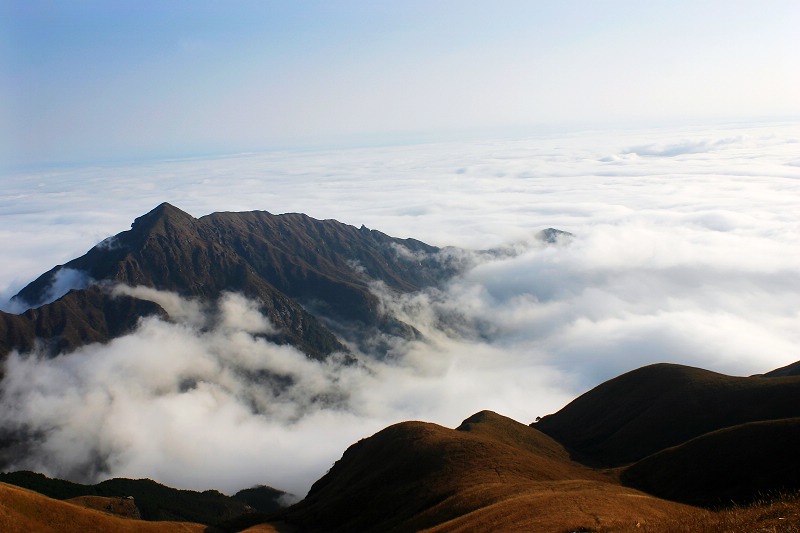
655, 407
154, 501
79, 317
307, 275
26, 511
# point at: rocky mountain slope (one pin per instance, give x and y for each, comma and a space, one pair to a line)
307, 276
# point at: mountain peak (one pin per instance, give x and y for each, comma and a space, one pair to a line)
161, 215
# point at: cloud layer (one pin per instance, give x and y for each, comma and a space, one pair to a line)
687, 250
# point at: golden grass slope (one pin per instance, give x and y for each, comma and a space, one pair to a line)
490, 474
25, 511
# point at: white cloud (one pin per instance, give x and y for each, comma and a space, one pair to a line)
690, 256
697, 146
219, 407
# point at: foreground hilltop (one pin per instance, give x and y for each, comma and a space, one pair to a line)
677, 435
706, 440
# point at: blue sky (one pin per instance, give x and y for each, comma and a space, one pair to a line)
93, 81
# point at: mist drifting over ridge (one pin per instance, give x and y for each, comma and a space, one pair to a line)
686, 250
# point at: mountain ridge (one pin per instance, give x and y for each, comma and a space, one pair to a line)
654, 407
300, 270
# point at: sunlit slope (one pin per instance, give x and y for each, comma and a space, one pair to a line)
491, 473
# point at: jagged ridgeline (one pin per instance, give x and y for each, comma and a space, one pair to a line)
311, 278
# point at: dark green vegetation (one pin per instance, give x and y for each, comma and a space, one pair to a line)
300, 270
156, 502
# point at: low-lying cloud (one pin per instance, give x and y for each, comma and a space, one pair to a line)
685, 251
697, 146
198, 405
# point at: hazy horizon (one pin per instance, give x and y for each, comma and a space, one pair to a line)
110, 81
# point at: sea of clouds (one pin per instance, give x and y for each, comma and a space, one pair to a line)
686, 250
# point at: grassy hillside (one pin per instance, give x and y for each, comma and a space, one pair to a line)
738, 464
655, 407
491, 472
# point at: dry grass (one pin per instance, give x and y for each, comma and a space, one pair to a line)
572, 508
25, 511
494, 474
774, 515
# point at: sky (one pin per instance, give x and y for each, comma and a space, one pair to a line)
664, 135
106, 80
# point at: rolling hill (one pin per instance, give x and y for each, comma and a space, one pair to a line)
740, 464
655, 407
489, 474
492, 473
